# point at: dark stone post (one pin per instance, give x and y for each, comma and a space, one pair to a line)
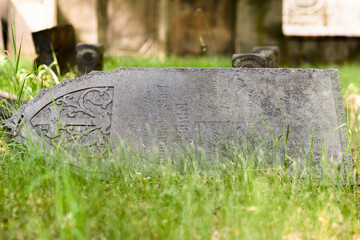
89, 57
249, 60
61, 40
271, 54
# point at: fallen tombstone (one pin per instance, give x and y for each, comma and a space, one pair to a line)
249, 60
206, 107
61, 41
271, 54
89, 57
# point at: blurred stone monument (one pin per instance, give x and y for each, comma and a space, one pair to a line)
271, 54
89, 57
321, 17
59, 40
249, 60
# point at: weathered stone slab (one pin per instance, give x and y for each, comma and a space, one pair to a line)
249, 60
89, 57
207, 107
271, 54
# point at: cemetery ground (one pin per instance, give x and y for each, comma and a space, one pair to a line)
128, 195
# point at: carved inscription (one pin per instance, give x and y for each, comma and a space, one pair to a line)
83, 116
206, 107
146, 118
182, 117
218, 135
162, 104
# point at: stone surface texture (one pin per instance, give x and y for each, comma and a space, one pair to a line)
207, 107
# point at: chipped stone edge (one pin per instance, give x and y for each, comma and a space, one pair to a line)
340, 114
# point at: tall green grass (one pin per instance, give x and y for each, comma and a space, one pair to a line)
129, 195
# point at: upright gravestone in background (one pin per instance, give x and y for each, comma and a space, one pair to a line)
271, 54
61, 41
204, 106
89, 57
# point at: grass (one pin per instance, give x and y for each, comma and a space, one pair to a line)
130, 196
127, 195
112, 62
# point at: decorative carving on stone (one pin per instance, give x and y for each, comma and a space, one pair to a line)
82, 117
305, 12
306, 3
249, 60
